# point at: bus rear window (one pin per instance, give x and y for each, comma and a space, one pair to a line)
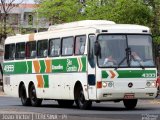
9, 52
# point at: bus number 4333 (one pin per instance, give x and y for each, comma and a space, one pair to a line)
149, 75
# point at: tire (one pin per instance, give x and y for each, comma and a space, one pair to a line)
130, 103
65, 103
36, 102
158, 91
81, 102
25, 101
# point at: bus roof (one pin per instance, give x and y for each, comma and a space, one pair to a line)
82, 23
95, 27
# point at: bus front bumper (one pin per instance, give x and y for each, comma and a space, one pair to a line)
116, 94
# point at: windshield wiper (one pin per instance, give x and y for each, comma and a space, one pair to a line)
139, 62
128, 57
120, 63
128, 54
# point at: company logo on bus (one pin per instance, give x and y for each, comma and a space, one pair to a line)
130, 85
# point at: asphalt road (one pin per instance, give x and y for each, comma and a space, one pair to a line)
11, 109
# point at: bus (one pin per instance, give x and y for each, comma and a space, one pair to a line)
81, 62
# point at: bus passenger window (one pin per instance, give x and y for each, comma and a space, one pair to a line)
31, 49
20, 50
9, 52
80, 45
55, 45
42, 48
67, 46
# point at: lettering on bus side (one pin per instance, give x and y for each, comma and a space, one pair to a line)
8, 68
70, 66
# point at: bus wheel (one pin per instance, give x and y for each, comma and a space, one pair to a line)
25, 101
81, 102
130, 103
158, 91
33, 97
65, 103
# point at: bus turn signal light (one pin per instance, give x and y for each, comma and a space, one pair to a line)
99, 84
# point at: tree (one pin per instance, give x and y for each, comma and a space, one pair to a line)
155, 6
120, 11
143, 12
59, 11
5, 7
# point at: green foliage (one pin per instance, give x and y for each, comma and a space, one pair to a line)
59, 11
143, 12
121, 11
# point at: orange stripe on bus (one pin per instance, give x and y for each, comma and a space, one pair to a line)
36, 66
31, 37
112, 73
48, 66
40, 81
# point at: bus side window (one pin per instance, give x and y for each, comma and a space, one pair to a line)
91, 60
54, 45
42, 48
9, 52
20, 50
31, 49
67, 46
80, 45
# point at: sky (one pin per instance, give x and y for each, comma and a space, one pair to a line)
29, 1
25, 1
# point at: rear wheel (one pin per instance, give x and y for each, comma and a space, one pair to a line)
130, 103
65, 103
33, 97
22, 93
81, 102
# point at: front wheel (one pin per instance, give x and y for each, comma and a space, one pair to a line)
81, 102
130, 103
33, 97
158, 91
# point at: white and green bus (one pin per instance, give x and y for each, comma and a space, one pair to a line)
82, 62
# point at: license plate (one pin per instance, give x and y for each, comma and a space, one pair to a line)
129, 96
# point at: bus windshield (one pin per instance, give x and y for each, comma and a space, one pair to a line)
113, 51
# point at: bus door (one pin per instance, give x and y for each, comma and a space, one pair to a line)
91, 68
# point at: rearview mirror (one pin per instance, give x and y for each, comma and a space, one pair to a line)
97, 49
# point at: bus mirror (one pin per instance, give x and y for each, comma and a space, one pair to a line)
97, 49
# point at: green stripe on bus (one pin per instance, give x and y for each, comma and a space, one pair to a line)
84, 64
43, 66
69, 65
104, 74
130, 74
46, 81
29, 63
58, 66
137, 74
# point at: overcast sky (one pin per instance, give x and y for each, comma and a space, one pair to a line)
25, 1
29, 1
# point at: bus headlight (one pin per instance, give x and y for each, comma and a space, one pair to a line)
151, 84
104, 84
